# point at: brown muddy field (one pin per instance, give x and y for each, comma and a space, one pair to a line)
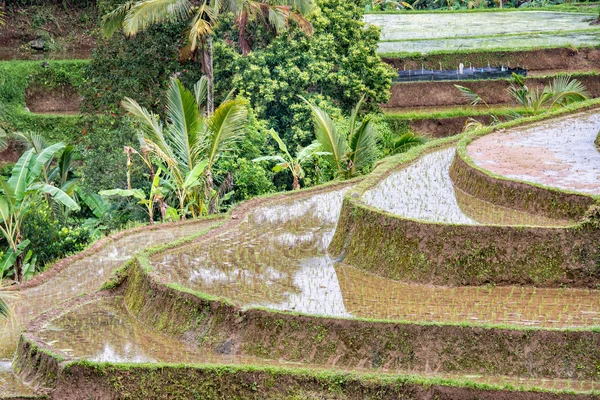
560, 153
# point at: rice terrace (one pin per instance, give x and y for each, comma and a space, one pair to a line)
299, 199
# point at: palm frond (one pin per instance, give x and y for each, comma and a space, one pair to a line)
200, 92
362, 147
183, 133
278, 17
32, 139
407, 141
150, 123
200, 27
567, 90
470, 95
113, 21
328, 137
145, 13
226, 126
354, 115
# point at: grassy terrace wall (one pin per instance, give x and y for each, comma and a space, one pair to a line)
443, 93
533, 198
79, 380
446, 123
404, 249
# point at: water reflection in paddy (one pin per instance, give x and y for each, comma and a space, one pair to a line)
277, 258
103, 331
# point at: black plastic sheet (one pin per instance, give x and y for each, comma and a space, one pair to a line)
456, 75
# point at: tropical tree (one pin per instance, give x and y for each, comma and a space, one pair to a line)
16, 194
293, 164
189, 143
201, 17
348, 157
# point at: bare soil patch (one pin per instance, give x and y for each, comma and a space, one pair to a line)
64, 99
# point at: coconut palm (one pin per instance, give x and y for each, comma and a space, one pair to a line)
349, 156
201, 17
293, 164
16, 194
189, 143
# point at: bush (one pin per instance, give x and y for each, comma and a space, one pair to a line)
51, 240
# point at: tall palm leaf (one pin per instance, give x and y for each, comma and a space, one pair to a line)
184, 131
567, 91
327, 135
362, 141
225, 127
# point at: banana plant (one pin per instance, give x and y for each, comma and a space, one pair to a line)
16, 195
293, 164
155, 196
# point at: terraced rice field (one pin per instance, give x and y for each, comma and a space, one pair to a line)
273, 256
424, 33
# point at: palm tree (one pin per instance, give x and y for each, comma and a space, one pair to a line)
286, 161
201, 16
190, 143
349, 156
16, 193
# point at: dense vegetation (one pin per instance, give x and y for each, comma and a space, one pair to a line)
277, 78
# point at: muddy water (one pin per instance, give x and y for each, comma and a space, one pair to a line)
460, 25
103, 331
276, 257
424, 191
11, 385
375, 297
558, 153
86, 275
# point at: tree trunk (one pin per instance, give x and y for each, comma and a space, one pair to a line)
210, 96
296, 183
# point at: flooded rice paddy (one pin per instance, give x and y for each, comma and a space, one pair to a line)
277, 258
515, 42
424, 191
558, 153
86, 275
440, 25
434, 32
103, 331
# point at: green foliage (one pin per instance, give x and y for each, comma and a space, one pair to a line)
190, 143
48, 237
138, 68
338, 63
